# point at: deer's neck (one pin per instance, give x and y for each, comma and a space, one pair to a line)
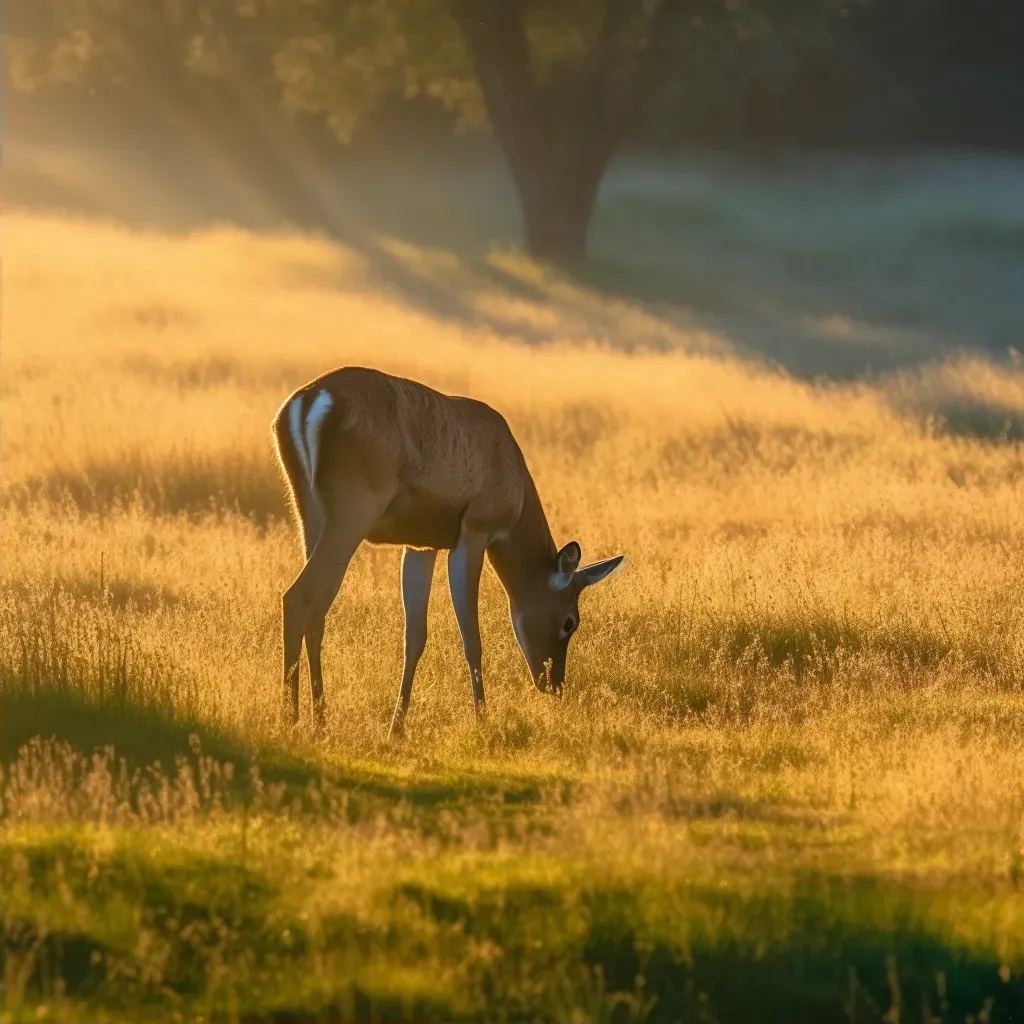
523, 558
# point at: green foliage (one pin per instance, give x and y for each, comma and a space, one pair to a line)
732, 71
562, 84
112, 41
326, 57
342, 59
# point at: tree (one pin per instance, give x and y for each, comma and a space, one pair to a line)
560, 125
560, 82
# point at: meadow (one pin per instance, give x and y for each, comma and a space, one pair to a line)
786, 780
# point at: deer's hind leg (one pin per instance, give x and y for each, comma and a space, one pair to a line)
344, 524
314, 633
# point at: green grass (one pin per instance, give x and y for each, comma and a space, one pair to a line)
159, 884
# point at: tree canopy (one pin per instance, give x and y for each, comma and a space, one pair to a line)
562, 83
341, 57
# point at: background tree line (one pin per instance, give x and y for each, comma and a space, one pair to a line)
564, 85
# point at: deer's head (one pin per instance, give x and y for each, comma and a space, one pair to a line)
549, 621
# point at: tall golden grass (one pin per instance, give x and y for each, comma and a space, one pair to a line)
824, 601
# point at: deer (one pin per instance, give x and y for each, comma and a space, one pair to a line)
368, 456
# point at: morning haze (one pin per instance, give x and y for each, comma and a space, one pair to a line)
743, 282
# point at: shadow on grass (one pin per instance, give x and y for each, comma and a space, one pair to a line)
859, 950
975, 418
825, 949
731, 249
810, 643
150, 734
213, 918
855, 975
141, 734
196, 489
829, 949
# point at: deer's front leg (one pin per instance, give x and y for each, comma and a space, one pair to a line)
417, 576
465, 563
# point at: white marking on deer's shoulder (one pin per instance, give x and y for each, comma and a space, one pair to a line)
295, 429
322, 405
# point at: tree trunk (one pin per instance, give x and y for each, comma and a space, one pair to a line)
558, 142
556, 210
556, 196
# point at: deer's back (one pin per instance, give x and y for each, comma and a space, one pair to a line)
441, 454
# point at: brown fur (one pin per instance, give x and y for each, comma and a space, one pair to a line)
400, 463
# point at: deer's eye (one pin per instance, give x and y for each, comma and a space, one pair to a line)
570, 626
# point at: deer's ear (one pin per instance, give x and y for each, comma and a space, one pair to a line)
566, 562
597, 571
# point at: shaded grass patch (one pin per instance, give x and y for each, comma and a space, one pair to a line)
219, 371
149, 738
191, 485
471, 937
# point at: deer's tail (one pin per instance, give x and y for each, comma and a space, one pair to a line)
297, 429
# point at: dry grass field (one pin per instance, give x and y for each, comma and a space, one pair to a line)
786, 781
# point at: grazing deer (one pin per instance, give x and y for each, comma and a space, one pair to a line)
373, 457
